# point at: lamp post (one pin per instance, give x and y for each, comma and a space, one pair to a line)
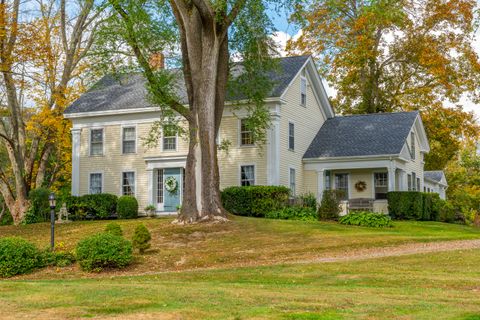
51, 200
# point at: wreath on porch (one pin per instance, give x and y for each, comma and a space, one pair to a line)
360, 186
171, 184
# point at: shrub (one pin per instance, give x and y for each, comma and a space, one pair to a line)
412, 205
114, 228
366, 219
127, 207
57, 258
103, 250
293, 213
141, 238
18, 256
330, 205
96, 206
309, 200
39, 210
254, 201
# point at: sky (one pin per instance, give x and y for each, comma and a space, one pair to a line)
287, 31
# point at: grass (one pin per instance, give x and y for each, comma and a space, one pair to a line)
163, 285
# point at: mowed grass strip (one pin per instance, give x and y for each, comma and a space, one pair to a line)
431, 286
241, 242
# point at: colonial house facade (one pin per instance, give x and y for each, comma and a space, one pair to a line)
308, 148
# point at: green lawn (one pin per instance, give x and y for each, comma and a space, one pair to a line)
162, 285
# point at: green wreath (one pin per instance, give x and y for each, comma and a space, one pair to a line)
171, 184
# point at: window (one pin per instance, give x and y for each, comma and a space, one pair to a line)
341, 183
381, 185
246, 135
169, 139
128, 183
247, 176
292, 182
409, 180
291, 136
129, 140
160, 186
418, 184
303, 91
95, 183
328, 183
96, 142
414, 178
412, 145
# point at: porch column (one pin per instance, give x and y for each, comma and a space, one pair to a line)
75, 162
391, 178
321, 184
150, 181
402, 183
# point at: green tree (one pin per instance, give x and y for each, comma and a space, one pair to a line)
206, 33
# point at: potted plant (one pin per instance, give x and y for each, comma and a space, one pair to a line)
150, 210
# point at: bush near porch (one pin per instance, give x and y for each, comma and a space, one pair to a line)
413, 205
92, 206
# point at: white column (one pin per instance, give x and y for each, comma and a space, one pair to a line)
76, 161
273, 152
321, 184
402, 183
150, 181
391, 178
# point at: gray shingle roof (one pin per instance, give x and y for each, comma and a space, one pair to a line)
433, 175
362, 135
128, 91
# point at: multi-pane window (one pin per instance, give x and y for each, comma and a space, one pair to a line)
291, 136
292, 182
414, 179
160, 186
381, 185
303, 91
129, 140
246, 135
128, 183
418, 184
169, 139
95, 183
96, 142
341, 183
247, 175
409, 182
328, 183
412, 145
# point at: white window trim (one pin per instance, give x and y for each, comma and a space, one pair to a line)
254, 172
135, 181
303, 78
90, 142
348, 183
169, 150
136, 138
290, 179
156, 187
103, 180
240, 136
288, 136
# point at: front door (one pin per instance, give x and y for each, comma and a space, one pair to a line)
172, 179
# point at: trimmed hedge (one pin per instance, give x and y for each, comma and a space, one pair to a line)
254, 201
294, 213
104, 250
92, 206
366, 219
127, 207
413, 205
18, 256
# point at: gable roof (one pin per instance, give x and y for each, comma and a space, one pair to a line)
362, 135
437, 176
128, 91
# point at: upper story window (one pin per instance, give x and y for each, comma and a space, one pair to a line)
291, 136
303, 91
246, 135
247, 175
129, 140
128, 183
412, 145
292, 182
169, 139
341, 183
96, 142
381, 185
96, 182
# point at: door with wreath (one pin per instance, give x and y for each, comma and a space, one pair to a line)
172, 187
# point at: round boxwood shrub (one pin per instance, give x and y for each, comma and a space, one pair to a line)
114, 228
104, 250
127, 207
18, 256
141, 238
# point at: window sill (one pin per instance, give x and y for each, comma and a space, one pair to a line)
96, 156
247, 146
291, 150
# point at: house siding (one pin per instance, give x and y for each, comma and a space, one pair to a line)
415, 165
